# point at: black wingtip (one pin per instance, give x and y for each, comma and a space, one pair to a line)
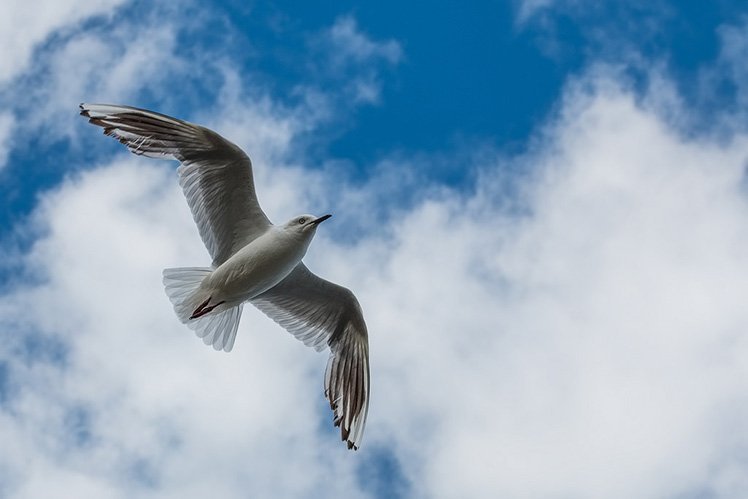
351, 445
84, 111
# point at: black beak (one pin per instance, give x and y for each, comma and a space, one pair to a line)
320, 219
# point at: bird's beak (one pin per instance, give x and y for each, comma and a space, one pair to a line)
320, 219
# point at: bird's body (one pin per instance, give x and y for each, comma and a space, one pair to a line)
253, 260
257, 267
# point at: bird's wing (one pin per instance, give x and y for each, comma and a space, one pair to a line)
319, 312
215, 175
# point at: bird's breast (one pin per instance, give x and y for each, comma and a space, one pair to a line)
254, 269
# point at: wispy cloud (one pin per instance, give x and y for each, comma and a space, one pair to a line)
350, 43
6, 127
109, 58
348, 54
114, 60
590, 32
29, 28
721, 88
526, 9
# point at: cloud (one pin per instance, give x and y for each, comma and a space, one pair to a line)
351, 56
579, 33
585, 340
528, 8
116, 60
721, 87
118, 424
6, 127
26, 29
593, 346
136, 59
116, 428
26, 25
351, 44
734, 48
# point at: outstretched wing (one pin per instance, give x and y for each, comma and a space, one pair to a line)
215, 174
319, 312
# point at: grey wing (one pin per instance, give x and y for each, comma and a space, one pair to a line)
215, 174
321, 313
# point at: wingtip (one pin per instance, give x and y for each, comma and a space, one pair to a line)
345, 433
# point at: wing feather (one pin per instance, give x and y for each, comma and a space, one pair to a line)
215, 174
319, 312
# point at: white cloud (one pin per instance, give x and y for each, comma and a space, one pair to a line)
589, 344
123, 58
150, 415
597, 345
117, 427
25, 25
114, 62
24, 28
350, 43
528, 8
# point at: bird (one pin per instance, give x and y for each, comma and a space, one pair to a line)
253, 260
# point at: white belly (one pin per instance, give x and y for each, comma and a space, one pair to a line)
254, 269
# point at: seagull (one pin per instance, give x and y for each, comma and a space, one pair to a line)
253, 259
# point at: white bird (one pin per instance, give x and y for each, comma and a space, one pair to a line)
253, 260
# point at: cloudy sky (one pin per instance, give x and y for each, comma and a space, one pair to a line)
542, 206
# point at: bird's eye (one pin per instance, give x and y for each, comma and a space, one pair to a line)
302, 220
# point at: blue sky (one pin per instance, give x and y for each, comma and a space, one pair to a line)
539, 203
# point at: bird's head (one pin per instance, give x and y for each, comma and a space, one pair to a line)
304, 225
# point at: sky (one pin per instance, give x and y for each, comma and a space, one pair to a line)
542, 206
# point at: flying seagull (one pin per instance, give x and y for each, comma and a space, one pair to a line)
253, 260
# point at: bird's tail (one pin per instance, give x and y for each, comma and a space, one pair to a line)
182, 287
217, 328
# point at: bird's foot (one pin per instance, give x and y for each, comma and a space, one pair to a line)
204, 308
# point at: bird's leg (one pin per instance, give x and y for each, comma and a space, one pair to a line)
204, 308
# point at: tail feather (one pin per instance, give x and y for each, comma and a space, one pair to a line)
217, 328
182, 287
